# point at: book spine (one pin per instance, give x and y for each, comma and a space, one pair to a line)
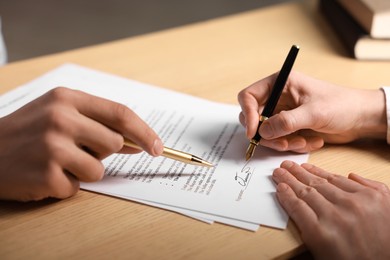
360, 12
346, 28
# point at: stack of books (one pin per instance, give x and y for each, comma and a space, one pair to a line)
362, 25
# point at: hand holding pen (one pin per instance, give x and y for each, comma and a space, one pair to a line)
273, 99
311, 112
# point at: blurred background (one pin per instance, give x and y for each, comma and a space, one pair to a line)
38, 27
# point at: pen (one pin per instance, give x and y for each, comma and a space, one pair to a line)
175, 155
273, 98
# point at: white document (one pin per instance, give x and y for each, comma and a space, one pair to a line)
234, 192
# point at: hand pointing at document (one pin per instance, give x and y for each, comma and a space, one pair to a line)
59, 139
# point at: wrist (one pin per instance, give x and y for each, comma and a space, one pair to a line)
374, 119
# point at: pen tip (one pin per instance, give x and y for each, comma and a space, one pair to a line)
199, 161
207, 164
250, 151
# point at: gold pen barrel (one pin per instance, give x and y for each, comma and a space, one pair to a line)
185, 157
129, 143
175, 155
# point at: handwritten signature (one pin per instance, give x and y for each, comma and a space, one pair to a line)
244, 176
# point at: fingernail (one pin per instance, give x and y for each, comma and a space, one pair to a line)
278, 172
266, 131
158, 147
287, 164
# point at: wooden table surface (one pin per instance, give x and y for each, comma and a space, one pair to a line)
214, 60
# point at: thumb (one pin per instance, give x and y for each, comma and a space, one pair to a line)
287, 122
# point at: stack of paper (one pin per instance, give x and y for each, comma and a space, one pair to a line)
234, 192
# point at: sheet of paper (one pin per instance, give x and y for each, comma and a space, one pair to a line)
234, 190
208, 218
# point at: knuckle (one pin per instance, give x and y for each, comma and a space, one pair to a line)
357, 207
242, 94
55, 119
52, 147
286, 122
239, 95
375, 195
317, 182
332, 178
122, 115
354, 206
59, 94
296, 207
306, 191
383, 188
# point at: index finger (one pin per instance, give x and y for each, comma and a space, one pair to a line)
252, 99
119, 118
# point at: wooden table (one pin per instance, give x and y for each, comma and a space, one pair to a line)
214, 60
